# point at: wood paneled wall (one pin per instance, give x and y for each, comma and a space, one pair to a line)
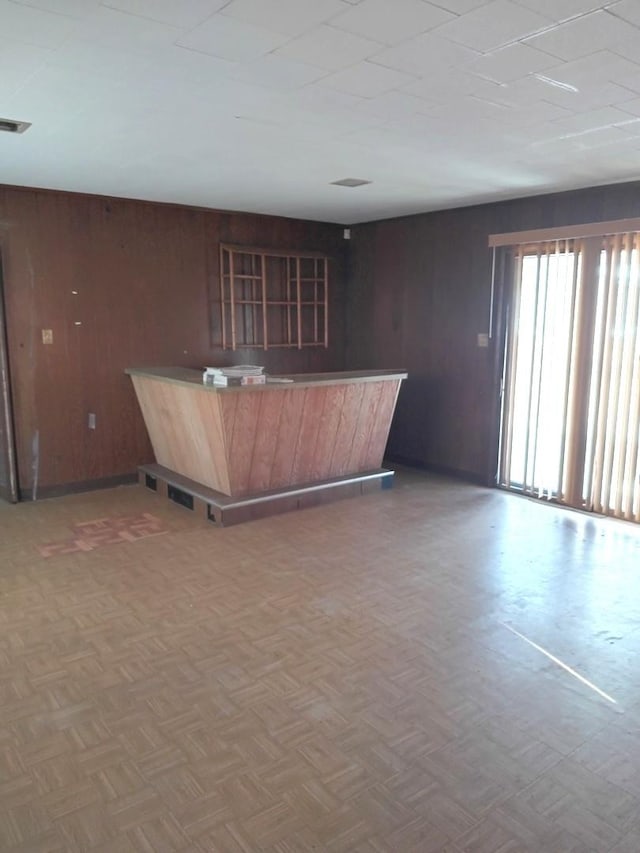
419, 292
122, 284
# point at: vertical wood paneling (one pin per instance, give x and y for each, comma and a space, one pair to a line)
160, 430
145, 274
229, 406
328, 431
378, 438
314, 402
373, 452
346, 430
287, 437
264, 446
366, 424
242, 441
419, 294
253, 440
186, 431
124, 284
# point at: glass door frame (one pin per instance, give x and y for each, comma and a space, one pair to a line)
576, 488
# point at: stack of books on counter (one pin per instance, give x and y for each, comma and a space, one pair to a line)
237, 374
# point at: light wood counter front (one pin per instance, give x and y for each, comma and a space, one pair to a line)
252, 439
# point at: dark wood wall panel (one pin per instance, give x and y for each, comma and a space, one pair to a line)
419, 292
123, 283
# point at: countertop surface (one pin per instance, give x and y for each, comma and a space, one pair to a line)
190, 377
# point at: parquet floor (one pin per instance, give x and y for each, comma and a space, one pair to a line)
354, 678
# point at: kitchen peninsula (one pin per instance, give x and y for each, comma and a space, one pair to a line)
243, 452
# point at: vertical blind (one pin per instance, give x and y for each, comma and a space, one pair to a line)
611, 483
571, 405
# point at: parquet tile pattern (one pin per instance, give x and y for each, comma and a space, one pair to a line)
339, 679
88, 535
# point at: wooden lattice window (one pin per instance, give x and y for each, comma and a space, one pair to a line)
273, 299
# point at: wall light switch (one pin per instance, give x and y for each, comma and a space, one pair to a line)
92, 420
47, 336
483, 340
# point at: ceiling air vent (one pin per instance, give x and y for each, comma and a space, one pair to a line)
11, 126
350, 182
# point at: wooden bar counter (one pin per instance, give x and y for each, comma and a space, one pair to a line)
258, 439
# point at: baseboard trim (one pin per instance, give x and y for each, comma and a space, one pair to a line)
63, 489
224, 510
465, 476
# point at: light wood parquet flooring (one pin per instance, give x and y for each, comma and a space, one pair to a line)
343, 679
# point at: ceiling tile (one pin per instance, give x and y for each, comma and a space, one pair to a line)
600, 136
231, 39
186, 13
628, 10
426, 54
23, 56
631, 126
284, 16
461, 7
469, 110
372, 19
121, 31
630, 48
17, 64
322, 100
451, 83
539, 112
314, 107
315, 112
591, 120
165, 63
585, 35
366, 80
596, 68
329, 48
33, 26
588, 69
275, 72
75, 8
494, 25
592, 96
100, 60
510, 63
189, 68
416, 116
632, 107
561, 10
79, 92
392, 105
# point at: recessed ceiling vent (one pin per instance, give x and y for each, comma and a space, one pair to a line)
350, 182
11, 126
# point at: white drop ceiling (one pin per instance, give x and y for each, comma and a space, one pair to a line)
260, 105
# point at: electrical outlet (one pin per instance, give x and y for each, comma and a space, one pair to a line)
92, 420
483, 340
47, 336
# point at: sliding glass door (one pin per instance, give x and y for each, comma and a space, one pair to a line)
611, 480
571, 404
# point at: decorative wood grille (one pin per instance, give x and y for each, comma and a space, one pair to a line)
273, 299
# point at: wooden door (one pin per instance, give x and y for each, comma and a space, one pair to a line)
8, 474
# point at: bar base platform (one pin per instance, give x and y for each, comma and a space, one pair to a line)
224, 511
